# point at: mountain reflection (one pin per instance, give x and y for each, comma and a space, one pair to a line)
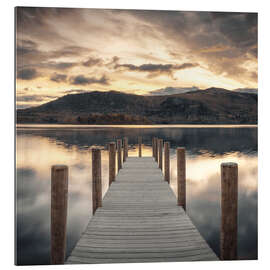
39, 149
211, 140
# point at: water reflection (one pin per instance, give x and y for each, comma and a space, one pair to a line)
196, 140
40, 148
203, 198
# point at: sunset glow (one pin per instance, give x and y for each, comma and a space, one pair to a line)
61, 51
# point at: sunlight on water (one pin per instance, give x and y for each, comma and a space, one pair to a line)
40, 148
200, 170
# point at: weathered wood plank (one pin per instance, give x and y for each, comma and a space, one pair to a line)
180, 252
139, 221
199, 256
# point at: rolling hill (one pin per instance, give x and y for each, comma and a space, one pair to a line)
210, 106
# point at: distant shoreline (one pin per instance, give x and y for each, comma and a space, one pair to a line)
20, 125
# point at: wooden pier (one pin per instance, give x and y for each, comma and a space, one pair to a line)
140, 219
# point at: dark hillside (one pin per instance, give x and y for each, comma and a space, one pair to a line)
210, 106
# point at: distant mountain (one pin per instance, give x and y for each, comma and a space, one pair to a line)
210, 106
181, 90
172, 91
247, 90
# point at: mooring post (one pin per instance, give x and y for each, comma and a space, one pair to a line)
156, 149
167, 161
125, 154
160, 152
96, 179
153, 147
112, 152
229, 200
140, 146
181, 177
119, 154
59, 195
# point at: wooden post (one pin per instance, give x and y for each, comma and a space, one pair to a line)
153, 147
140, 146
160, 146
112, 152
119, 154
125, 154
59, 195
156, 149
181, 177
167, 161
229, 200
96, 179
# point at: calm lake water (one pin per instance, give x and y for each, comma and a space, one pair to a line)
40, 146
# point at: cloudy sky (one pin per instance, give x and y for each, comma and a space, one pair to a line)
62, 51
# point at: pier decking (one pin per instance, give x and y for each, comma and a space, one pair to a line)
140, 221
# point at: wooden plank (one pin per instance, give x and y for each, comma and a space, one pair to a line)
139, 221
78, 260
145, 245
84, 252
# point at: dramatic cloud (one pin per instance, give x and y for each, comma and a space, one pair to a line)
34, 98
74, 91
223, 41
92, 62
142, 50
156, 69
68, 51
82, 80
114, 61
29, 54
58, 65
57, 77
35, 22
25, 47
27, 74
